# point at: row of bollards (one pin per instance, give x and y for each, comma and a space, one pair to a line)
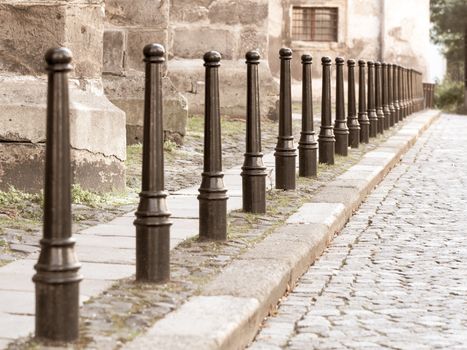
392, 92
429, 94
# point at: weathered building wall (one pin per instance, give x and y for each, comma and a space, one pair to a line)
364, 21
395, 30
406, 30
130, 25
27, 30
232, 28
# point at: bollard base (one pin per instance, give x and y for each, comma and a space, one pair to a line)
308, 162
254, 193
153, 253
392, 117
381, 124
342, 143
285, 172
387, 120
397, 115
354, 137
212, 219
57, 312
326, 152
373, 130
364, 133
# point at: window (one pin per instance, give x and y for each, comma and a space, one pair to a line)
314, 23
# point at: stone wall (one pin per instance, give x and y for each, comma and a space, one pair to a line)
406, 33
130, 25
27, 30
231, 27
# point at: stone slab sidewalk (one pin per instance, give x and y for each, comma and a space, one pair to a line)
107, 254
231, 307
229, 311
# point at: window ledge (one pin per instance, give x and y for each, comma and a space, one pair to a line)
325, 45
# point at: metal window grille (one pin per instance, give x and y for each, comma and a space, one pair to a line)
314, 23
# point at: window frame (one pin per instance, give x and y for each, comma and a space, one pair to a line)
312, 27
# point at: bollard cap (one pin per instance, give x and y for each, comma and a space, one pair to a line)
285, 53
307, 59
212, 59
361, 63
377, 64
154, 53
326, 60
351, 62
340, 61
252, 57
58, 59
370, 63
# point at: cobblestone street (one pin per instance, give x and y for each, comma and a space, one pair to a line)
395, 277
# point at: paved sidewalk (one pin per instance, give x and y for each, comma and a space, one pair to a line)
107, 253
395, 277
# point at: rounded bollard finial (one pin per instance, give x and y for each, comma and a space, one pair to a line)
377, 63
326, 60
370, 63
351, 62
285, 53
252, 56
361, 63
340, 60
58, 59
212, 59
154, 53
307, 59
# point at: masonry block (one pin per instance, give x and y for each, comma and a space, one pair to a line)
193, 41
128, 94
114, 51
137, 39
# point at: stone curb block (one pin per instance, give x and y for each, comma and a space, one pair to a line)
230, 309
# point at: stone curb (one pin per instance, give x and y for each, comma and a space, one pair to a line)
229, 311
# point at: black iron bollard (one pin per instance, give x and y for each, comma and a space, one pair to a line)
362, 115
412, 101
407, 95
371, 100
352, 120
386, 110
406, 88
212, 193
379, 97
253, 170
400, 93
152, 217
57, 277
285, 150
341, 132
395, 87
326, 138
392, 109
409, 90
307, 146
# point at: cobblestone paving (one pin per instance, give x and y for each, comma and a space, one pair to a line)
396, 276
128, 309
